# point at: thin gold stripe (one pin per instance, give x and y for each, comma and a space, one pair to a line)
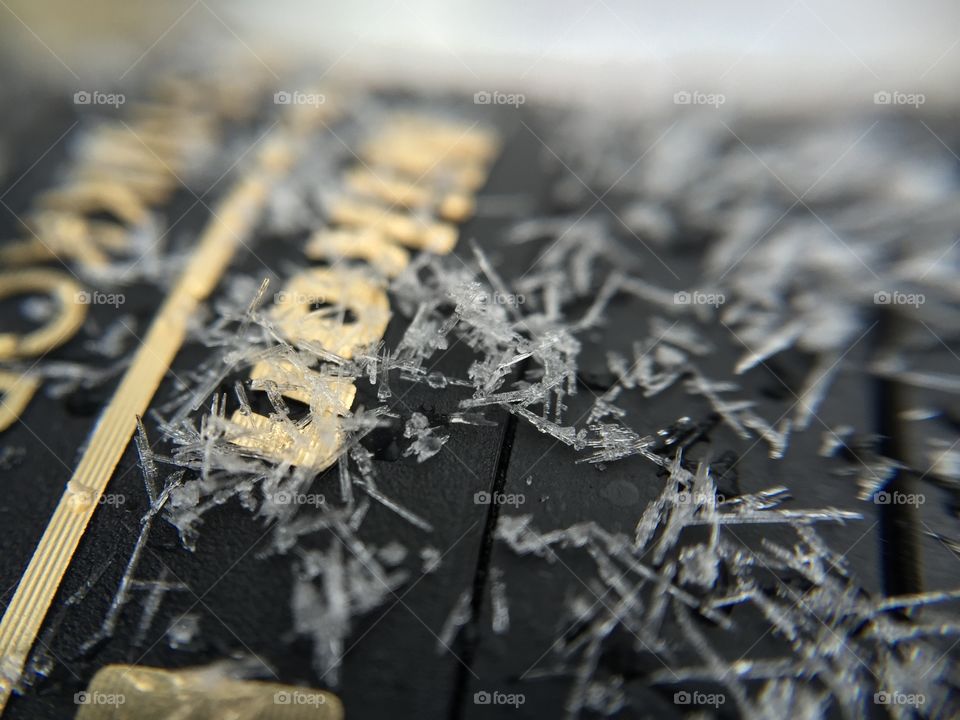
21, 622
62, 529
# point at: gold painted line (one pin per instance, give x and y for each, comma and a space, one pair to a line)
234, 218
16, 629
59, 535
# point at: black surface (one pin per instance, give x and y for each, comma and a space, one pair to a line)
392, 667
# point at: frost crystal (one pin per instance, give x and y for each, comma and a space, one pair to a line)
426, 444
498, 602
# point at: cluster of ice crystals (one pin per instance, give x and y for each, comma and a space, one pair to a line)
426, 443
841, 647
332, 587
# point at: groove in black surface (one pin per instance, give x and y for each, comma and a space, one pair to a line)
470, 633
900, 553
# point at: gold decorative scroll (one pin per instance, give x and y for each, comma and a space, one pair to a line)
130, 692
420, 170
69, 317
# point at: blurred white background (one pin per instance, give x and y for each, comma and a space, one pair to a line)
775, 53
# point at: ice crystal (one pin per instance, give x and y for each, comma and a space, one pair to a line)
825, 620
426, 443
459, 616
500, 622
333, 586
182, 631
